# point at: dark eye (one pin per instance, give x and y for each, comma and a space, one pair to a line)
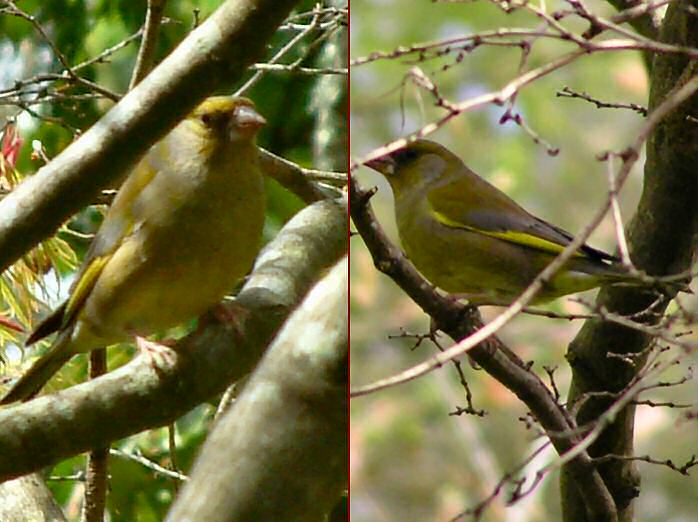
209, 118
405, 156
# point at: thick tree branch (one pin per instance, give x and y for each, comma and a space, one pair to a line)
280, 452
146, 392
213, 55
28, 498
662, 238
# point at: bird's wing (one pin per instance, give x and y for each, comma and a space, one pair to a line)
118, 225
62, 316
488, 211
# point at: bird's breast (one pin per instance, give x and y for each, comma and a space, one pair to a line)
187, 252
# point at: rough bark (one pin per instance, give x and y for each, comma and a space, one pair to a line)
662, 238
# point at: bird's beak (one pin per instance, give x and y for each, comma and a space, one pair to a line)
385, 165
246, 122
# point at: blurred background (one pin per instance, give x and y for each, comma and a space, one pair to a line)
410, 459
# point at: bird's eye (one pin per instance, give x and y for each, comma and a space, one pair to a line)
213, 118
207, 119
406, 155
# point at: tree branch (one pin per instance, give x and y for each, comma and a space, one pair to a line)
213, 55
144, 393
286, 434
28, 498
151, 31
662, 239
459, 321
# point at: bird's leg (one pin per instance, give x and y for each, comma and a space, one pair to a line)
158, 352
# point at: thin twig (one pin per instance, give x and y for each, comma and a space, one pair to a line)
312, 26
296, 69
683, 469
151, 465
617, 218
567, 92
146, 52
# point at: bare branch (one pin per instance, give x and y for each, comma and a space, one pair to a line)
566, 92
151, 31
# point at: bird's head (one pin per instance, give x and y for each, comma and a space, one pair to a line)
420, 162
228, 118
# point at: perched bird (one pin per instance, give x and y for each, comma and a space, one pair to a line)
184, 227
469, 238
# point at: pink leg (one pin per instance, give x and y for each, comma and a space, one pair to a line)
157, 352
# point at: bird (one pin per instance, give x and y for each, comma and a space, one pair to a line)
473, 241
184, 227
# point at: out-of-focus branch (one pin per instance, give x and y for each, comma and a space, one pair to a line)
217, 52
286, 434
146, 52
28, 498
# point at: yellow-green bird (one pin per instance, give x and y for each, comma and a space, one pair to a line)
183, 228
469, 238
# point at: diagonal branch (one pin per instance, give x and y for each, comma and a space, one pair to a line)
297, 399
213, 55
146, 393
459, 321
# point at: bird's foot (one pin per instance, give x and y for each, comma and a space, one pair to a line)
160, 353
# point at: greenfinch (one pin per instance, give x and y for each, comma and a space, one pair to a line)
469, 238
184, 227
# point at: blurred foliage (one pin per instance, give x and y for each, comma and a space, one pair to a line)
410, 460
82, 30
330, 105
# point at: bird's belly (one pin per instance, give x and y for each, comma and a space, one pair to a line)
463, 262
171, 277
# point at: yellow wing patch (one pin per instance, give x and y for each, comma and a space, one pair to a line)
520, 238
83, 287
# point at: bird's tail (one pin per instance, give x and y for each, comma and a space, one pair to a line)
669, 285
41, 371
